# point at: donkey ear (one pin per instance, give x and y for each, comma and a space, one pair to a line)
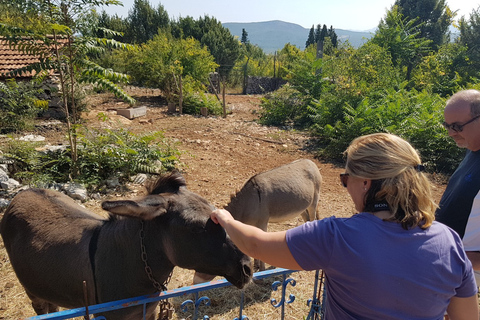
146, 208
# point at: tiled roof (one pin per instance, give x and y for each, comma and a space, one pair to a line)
12, 59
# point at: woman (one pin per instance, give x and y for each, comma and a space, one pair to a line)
389, 261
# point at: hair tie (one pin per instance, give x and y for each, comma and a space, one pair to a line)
420, 167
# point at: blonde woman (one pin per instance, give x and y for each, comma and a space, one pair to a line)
389, 261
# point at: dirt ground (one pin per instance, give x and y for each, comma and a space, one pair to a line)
218, 155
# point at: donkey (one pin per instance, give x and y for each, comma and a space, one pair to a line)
276, 195
54, 245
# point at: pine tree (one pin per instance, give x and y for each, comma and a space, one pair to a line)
244, 37
333, 36
144, 21
311, 37
470, 38
323, 33
317, 32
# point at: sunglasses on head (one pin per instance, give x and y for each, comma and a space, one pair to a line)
344, 179
459, 127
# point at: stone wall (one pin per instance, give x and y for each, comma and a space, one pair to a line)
214, 83
260, 85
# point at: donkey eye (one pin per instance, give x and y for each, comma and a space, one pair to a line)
197, 229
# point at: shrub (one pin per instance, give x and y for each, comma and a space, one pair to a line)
102, 154
284, 107
194, 101
195, 98
19, 105
415, 116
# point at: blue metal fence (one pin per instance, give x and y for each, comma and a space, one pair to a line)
315, 303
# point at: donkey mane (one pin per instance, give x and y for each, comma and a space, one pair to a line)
251, 181
169, 183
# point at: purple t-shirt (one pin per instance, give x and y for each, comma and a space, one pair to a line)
378, 270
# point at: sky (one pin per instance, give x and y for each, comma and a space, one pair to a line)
356, 15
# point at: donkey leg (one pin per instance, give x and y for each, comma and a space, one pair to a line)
306, 215
258, 263
41, 306
310, 213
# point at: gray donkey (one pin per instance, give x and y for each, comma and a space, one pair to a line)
276, 195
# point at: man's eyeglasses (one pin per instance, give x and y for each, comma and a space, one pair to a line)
344, 179
459, 127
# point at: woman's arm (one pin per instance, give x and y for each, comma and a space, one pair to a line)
270, 247
474, 257
463, 308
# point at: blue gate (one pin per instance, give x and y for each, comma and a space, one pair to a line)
315, 304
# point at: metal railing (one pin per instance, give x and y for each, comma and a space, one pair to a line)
315, 303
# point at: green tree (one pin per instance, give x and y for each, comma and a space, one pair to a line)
252, 61
115, 23
288, 58
161, 61
311, 37
323, 33
186, 27
22, 14
432, 17
470, 39
318, 31
333, 36
70, 59
211, 33
354, 75
144, 22
401, 37
244, 39
442, 72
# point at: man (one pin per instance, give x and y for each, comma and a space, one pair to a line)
459, 207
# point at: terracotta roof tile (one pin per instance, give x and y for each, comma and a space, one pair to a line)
11, 59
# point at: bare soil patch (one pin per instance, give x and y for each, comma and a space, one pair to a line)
218, 155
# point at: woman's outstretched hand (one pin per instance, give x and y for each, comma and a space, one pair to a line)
221, 216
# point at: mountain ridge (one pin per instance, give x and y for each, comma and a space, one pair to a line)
272, 35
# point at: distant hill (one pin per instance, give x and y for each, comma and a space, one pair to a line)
272, 36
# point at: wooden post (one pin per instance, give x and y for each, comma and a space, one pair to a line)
214, 89
171, 107
245, 77
180, 99
223, 96
319, 54
274, 62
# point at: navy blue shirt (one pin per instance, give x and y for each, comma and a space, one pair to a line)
456, 204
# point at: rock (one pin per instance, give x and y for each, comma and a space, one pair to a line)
112, 182
3, 175
75, 191
9, 184
32, 138
4, 203
49, 148
139, 178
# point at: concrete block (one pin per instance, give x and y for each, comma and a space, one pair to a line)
131, 113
